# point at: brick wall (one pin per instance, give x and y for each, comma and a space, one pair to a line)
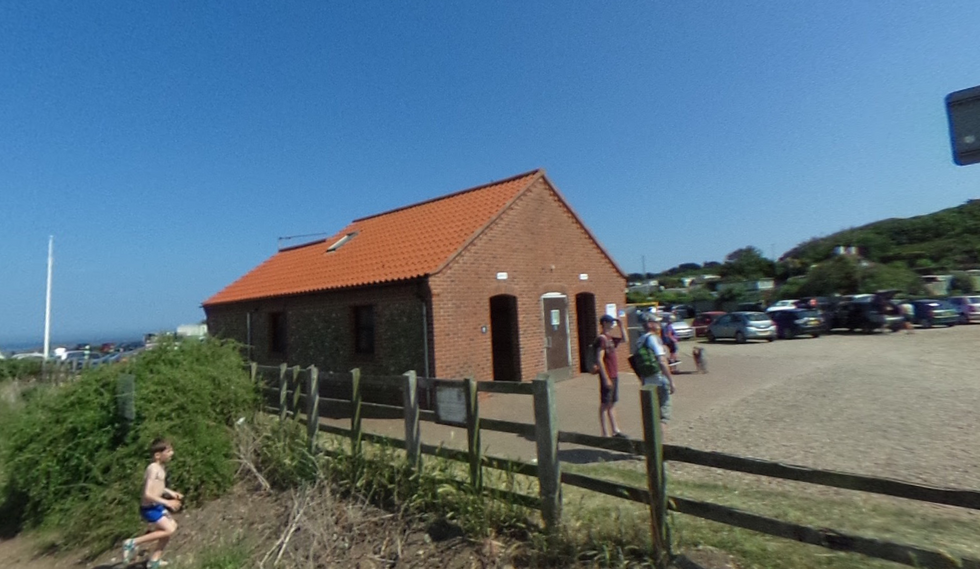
320, 329
542, 248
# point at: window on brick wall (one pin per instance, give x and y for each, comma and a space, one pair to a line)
277, 332
364, 329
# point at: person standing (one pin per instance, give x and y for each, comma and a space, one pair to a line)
669, 339
661, 377
608, 366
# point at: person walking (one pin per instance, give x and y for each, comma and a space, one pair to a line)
655, 365
608, 366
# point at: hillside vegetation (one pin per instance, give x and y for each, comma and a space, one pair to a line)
944, 241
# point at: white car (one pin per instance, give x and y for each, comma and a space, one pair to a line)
788, 304
968, 307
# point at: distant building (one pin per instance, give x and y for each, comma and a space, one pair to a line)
192, 331
937, 285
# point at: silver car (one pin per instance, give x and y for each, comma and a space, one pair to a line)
968, 307
682, 329
742, 326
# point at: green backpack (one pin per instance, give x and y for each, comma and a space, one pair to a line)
644, 361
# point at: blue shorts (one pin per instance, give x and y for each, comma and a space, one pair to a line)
152, 514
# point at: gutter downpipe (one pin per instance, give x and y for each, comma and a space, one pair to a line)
425, 337
248, 333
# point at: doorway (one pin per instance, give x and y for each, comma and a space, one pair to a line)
505, 338
556, 345
585, 319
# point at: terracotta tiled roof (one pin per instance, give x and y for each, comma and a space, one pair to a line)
400, 244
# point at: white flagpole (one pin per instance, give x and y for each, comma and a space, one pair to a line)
47, 304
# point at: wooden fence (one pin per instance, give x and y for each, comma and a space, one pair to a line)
294, 391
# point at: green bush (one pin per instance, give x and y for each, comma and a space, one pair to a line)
19, 369
74, 466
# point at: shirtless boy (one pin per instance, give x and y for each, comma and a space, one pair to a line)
155, 506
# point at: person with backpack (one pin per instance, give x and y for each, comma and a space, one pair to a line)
608, 369
651, 364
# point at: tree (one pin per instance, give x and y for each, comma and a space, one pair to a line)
962, 283
747, 263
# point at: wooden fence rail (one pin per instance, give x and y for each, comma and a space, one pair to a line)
304, 389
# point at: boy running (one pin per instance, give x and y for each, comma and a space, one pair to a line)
155, 506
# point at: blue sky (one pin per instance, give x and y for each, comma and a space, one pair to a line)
167, 146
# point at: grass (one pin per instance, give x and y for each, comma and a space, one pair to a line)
946, 529
611, 532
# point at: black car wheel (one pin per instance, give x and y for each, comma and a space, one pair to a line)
789, 334
739, 337
927, 323
710, 336
816, 335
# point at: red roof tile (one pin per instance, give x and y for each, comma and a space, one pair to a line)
404, 243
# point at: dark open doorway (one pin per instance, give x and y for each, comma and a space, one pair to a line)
586, 319
505, 338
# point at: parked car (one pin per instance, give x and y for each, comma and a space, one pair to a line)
682, 329
788, 304
82, 357
28, 356
968, 307
742, 326
703, 320
863, 313
797, 322
931, 312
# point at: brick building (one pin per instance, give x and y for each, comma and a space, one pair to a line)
500, 281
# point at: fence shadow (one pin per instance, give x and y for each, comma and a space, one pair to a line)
590, 456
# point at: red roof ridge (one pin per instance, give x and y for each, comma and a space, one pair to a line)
452, 195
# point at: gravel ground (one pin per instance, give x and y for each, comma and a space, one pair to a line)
896, 405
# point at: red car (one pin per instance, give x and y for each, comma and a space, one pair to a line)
703, 320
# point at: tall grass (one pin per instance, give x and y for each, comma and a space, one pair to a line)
73, 466
382, 476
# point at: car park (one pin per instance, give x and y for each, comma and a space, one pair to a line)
968, 308
929, 312
742, 326
797, 322
703, 320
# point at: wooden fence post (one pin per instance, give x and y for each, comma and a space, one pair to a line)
313, 406
296, 382
546, 435
355, 413
253, 372
656, 482
413, 440
473, 434
283, 389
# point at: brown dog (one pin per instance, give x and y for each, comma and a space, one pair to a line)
700, 359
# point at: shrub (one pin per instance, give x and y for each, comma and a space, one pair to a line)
74, 466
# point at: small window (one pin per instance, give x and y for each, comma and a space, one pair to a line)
364, 329
340, 242
277, 332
